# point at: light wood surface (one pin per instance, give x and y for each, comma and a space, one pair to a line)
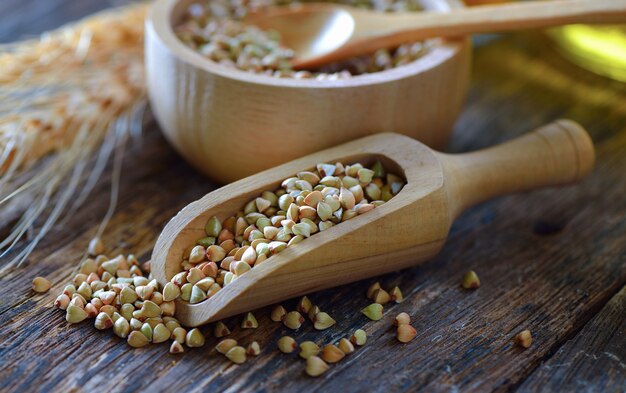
407, 230
324, 33
230, 124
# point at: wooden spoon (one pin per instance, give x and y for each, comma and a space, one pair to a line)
409, 229
324, 33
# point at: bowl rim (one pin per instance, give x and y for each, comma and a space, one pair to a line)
159, 22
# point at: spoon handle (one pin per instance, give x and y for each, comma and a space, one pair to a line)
558, 153
389, 30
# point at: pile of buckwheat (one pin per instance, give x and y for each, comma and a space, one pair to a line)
120, 294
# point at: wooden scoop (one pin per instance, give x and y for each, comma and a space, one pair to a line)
409, 229
323, 33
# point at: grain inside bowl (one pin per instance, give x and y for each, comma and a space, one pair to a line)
305, 204
214, 29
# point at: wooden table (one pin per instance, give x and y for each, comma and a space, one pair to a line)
551, 261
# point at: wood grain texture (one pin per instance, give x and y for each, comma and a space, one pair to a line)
593, 360
203, 107
549, 261
415, 222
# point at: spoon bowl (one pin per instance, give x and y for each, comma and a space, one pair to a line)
409, 229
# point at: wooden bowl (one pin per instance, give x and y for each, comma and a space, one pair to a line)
230, 124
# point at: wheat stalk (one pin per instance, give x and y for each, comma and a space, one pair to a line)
75, 94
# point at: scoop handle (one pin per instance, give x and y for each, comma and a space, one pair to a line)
555, 154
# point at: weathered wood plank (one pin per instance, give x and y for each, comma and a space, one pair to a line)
21, 19
548, 261
593, 360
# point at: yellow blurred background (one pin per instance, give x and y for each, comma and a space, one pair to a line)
600, 49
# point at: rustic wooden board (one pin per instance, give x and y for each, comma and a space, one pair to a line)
593, 360
28, 18
549, 261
